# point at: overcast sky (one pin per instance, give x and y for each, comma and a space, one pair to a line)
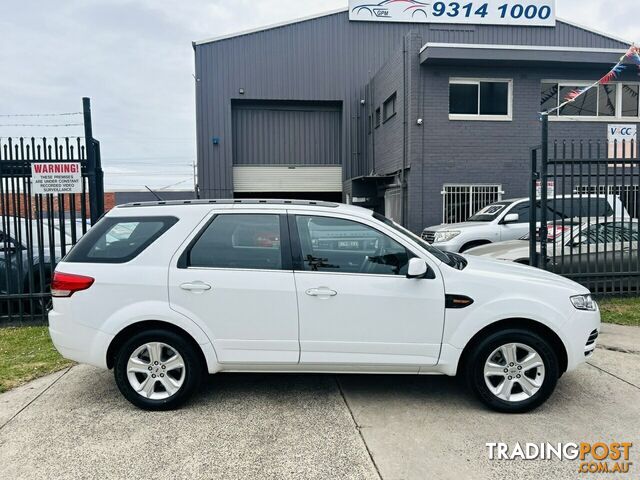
134, 59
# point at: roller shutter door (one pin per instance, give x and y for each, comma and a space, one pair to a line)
249, 179
287, 147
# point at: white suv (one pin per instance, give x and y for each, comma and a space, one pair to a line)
509, 220
163, 292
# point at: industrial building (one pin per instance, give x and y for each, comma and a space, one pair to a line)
424, 122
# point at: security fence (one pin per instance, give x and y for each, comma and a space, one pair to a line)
586, 226
37, 230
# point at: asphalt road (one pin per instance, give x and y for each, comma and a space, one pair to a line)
75, 424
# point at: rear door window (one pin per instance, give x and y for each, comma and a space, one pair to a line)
119, 240
240, 241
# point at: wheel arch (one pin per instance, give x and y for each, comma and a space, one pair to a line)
141, 326
522, 323
474, 243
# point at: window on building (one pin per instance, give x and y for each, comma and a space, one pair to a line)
480, 99
630, 95
585, 106
389, 107
607, 96
614, 100
370, 124
342, 246
462, 201
240, 241
378, 117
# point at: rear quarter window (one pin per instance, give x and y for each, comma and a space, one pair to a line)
119, 239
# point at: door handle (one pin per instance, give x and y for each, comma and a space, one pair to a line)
322, 292
196, 287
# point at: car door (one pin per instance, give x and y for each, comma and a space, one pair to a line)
516, 230
235, 277
356, 305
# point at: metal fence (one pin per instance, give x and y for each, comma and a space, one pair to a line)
586, 222
36, 231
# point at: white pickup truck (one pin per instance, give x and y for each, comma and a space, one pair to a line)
509, 220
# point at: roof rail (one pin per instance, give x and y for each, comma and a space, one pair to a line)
247, 201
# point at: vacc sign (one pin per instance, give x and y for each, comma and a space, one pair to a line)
493, 12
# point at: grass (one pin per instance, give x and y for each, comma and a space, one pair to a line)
621, 311
26, 353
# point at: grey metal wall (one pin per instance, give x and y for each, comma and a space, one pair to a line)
327, 58
270, 133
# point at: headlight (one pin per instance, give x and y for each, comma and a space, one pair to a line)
584, 302
445, 236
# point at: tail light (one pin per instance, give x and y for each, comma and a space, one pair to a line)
66, 284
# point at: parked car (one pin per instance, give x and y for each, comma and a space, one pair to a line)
577, 248
509, 220
28, 270
192, 287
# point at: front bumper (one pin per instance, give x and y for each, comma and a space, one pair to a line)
581, 332
452, 246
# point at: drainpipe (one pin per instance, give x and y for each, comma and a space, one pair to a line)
405, 133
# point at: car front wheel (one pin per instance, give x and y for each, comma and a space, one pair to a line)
157, 370
513, 371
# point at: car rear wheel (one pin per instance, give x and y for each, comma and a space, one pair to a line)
513, 371
157, 370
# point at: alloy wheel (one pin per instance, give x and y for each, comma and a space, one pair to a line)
156, 370
514, 372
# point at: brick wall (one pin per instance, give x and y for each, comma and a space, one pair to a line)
23, 205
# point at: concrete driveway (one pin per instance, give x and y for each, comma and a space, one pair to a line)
75, 424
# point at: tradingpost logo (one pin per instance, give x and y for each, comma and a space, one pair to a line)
598, 457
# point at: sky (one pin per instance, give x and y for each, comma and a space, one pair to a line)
134, 59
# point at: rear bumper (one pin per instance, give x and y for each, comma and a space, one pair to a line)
77, 342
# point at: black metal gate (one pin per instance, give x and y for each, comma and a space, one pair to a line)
587, 206
36, 231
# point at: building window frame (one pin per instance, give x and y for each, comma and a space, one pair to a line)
389, 107
378, 117
472, 198
479, 116
618, 117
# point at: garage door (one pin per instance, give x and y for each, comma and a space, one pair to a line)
249, 179
287, 147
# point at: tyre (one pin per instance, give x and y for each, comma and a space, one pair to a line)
512, 371
157, 370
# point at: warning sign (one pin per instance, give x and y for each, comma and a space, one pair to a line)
56, 177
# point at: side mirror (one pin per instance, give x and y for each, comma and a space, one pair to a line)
511, 218
417, 268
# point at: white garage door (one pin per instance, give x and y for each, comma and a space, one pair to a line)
253, 179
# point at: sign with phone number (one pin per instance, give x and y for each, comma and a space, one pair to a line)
492, 12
